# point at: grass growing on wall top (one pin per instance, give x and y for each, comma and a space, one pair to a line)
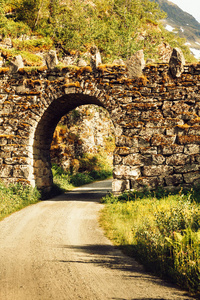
161, 231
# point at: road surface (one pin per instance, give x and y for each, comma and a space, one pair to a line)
56, 250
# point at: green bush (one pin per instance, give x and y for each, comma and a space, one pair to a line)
80, 179
14, 29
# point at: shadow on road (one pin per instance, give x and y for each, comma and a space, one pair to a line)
90, 192
109, 256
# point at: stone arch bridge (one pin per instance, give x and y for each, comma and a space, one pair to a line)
156, 119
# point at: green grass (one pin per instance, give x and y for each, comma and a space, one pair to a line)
16, 197
34, 45
66, 181
30, 59
161, 231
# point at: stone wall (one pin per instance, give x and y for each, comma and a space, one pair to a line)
159, 142
156, 119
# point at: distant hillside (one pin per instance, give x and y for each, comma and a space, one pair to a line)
181, 22
118, 28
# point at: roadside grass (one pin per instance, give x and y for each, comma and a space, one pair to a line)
15, 197
160, 230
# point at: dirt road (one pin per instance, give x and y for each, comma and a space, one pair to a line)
56, 250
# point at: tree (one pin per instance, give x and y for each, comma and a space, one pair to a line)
30, 11
2, 13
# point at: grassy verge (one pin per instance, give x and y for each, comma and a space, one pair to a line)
16, 197
162, 231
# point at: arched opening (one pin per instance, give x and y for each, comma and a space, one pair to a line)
44, 134
82, 146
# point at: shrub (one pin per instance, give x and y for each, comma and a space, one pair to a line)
80, 179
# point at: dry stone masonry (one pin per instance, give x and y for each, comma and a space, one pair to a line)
156, 118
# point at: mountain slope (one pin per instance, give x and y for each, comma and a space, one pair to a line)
118, 28
181, 22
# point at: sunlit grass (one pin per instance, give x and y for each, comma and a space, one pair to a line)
67, 181
16, 197
162, 232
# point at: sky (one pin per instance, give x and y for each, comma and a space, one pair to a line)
190, 6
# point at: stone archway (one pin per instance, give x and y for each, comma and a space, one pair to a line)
84, 141
156, 119
44, 133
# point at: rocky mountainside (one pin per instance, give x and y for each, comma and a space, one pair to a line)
183, 23
85, 132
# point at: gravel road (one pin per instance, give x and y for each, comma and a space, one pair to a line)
56, 250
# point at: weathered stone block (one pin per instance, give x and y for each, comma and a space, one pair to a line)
17, 160
174, 179
123, 150
95, 59
191, 149
191, 177
178, 159
135, 64
187, 168
16, 64
39, 163
188, 139
119, 186
132, 159
176, 62
158, 159
51, 59
134, 172
145, 182
117, 159
157, 170
171, 149
123, 171
20, 171
148, 150
21, 89
160, 140
144, 142
3, 140
44, 182
6, 171
127, 141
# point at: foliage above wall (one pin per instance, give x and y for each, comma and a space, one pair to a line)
117, 27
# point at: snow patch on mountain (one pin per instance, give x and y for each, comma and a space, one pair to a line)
169, 27
195, 52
